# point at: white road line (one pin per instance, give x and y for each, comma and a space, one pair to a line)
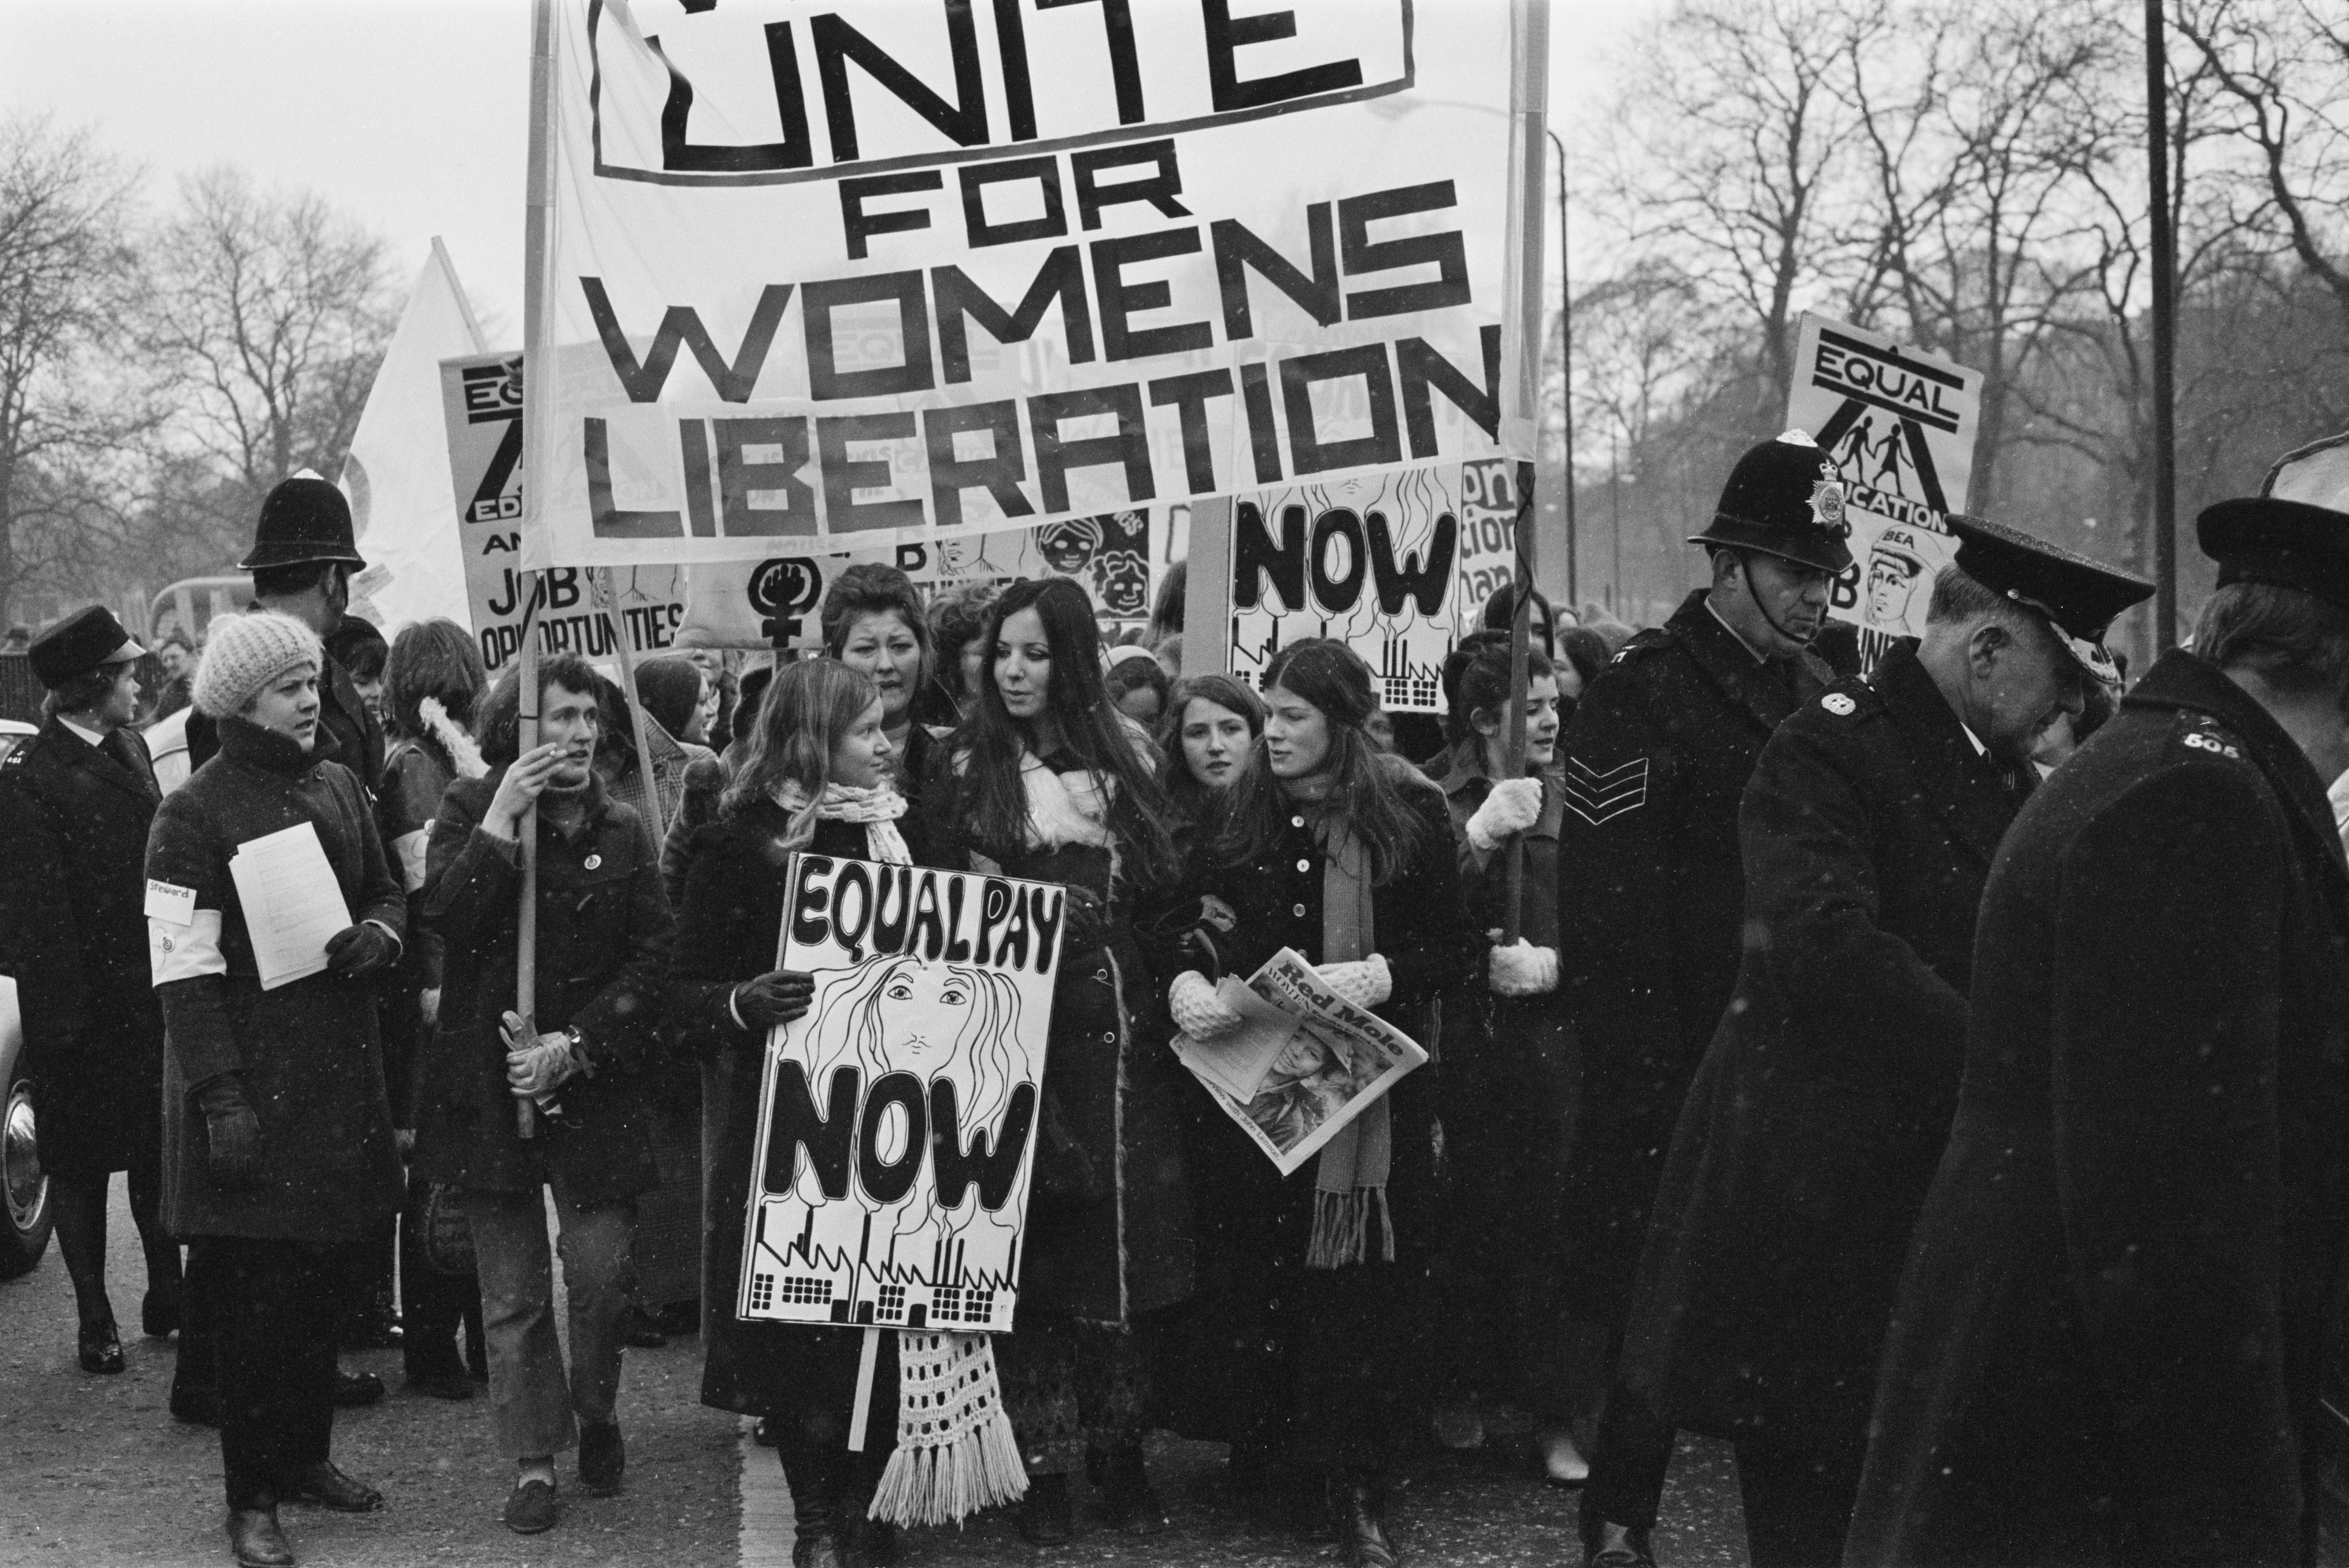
767, 1533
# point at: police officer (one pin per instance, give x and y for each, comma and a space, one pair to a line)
1651, 894
301, 560
75, 802
1812, 1130
2106, 1340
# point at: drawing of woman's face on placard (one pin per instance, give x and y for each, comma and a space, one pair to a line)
934, 1021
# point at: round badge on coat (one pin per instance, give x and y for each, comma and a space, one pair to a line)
594, 860
1838, 703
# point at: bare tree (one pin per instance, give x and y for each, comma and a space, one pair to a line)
2283, 67
269, 314
65, 263
1730, 141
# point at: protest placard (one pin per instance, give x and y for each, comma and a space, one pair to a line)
1900, 424
482, 399
1311, 1061
897, 1117
1118, 559
859, 276
1368, 560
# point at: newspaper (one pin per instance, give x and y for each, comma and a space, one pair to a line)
1306, 1062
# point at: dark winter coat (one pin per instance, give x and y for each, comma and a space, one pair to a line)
603, 951
1109, 1221
1333, 1365
406, 800
74, 819
1652, 900
308, 1052
2106, 1343
1820, 1111
728, 927
358, 734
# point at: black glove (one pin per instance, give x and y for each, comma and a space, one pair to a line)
775, 998
231, 1132
1087, 919
357, 950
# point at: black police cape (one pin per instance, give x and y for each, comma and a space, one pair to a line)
1815, 1122
2105, 1346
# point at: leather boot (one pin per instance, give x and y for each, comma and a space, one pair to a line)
1362, 1509
1044, 1516
1606, 1544
1123, 1485
817, 1514
254, 1537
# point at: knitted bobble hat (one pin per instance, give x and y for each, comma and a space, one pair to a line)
243, 654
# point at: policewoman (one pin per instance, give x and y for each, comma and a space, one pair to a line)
277, 1137
1812, 1130
1650, 885
2108, 1344
76, 804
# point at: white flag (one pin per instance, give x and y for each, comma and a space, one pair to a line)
396, 476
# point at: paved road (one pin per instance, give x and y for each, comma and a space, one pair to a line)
94, 1471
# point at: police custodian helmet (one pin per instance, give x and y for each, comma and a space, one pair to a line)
1783, 499
305, 519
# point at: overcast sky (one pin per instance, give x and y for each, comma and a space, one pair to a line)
409, 114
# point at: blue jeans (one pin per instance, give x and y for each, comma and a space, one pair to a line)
532, 1402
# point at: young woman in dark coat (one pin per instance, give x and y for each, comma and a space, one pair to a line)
277, 1138
603, 941
1512, 1072
1317, 1281
76, 804
433, 682
815, 779
1046, 781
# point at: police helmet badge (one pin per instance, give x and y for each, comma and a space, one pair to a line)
1826, 507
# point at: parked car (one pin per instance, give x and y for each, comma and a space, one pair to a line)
14, 732
29, 1218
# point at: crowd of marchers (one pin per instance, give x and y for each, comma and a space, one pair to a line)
1928, 1080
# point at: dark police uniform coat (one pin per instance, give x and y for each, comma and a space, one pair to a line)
74, 819
1650, 901
1819, 1113
2105, 1346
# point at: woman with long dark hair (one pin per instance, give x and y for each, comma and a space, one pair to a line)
816, 777
1210, 725
1045, 780
1513, 1074
1326, 847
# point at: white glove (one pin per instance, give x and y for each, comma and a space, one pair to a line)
1524, 970
535, 1067
1198, 1011
1514, 806
539, 1070
1364, 982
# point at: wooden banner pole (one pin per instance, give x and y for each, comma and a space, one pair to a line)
1529, 107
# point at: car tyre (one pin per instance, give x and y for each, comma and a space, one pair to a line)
26, 1215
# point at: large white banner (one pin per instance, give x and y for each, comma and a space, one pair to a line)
1900, 424
822, 279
